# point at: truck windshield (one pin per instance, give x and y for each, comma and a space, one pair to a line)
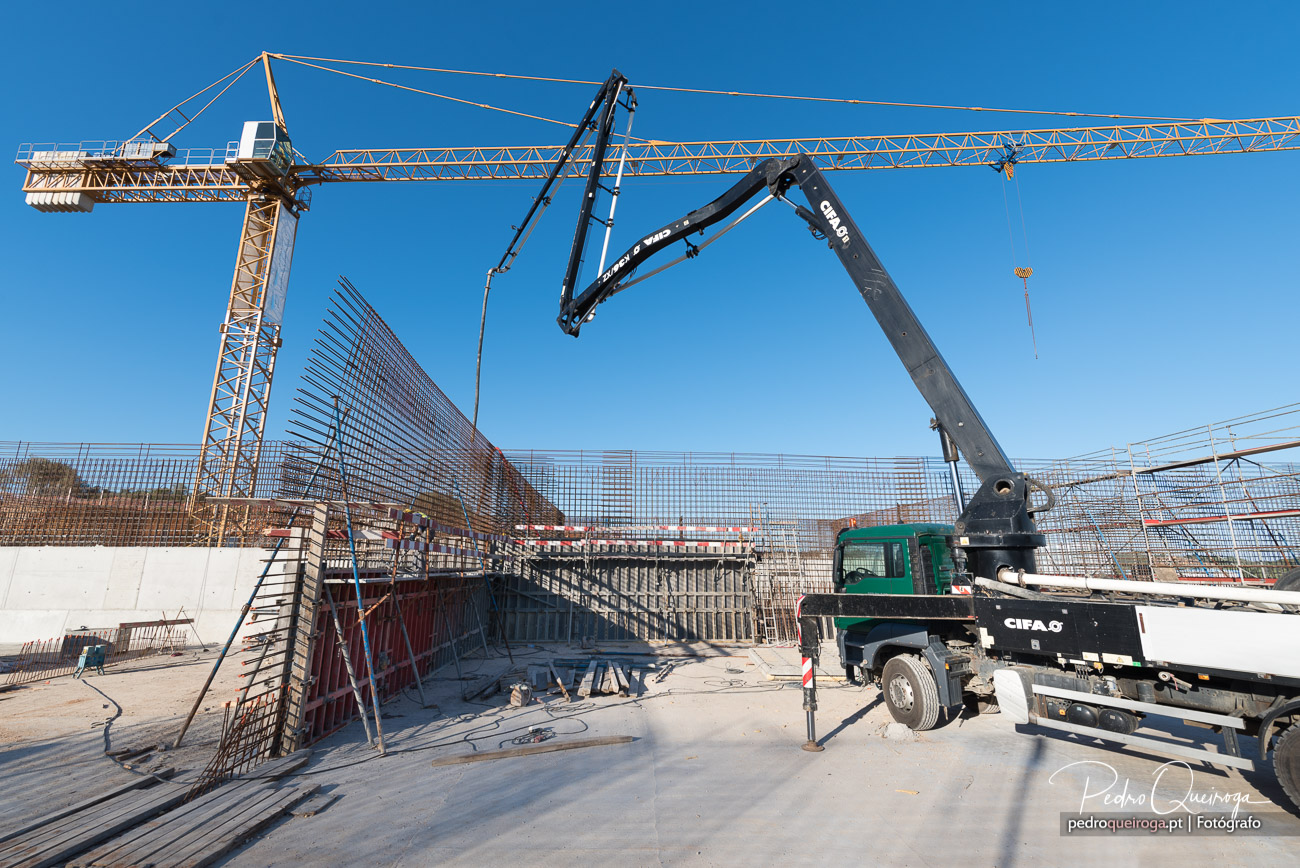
883, 560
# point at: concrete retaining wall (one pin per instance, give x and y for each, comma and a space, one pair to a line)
45, 591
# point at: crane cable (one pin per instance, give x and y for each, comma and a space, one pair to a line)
297, 58
1024, 273
237, 74
481, 105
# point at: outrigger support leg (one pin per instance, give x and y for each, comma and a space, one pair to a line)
809, 648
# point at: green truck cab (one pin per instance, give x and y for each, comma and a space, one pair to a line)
903, 657
894, 559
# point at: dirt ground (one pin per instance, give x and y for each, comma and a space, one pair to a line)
54, 734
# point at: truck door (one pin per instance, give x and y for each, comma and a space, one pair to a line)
872, 567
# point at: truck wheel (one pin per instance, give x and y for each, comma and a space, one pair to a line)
1289, 582
1286, 762
910, 692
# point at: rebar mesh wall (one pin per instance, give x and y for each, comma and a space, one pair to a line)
1109, 520
108, 494
366, 402
1217, 502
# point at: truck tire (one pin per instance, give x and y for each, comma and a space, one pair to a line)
1286, 762
910, 692
1289, 582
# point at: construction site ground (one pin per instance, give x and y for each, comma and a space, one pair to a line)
714, 775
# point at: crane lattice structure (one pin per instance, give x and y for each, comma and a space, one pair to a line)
274, 183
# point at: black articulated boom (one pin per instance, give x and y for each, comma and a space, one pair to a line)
996, 529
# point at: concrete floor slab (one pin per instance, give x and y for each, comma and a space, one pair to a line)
714, 777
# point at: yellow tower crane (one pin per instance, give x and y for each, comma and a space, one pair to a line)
264, 172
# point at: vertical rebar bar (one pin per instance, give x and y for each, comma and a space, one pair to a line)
341, 638
356, 578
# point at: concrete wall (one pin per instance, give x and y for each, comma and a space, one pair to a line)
45, 591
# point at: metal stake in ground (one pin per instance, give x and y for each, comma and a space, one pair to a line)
347, 663
451, 641
243, 613
482, 562
356, 576
406, 637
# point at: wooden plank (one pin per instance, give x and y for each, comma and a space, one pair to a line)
216, 845
584, 690
528, 750
146, 843
560, 681
60, 832
610, 683
137, 784
91, 828
172, 849
301, 641
622, 679
136, 846
127, 847
65, 837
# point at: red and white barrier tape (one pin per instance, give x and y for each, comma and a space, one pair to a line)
578, 543
682, 528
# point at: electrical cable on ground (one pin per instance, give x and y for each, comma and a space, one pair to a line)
108, 724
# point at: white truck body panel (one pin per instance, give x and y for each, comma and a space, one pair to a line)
1247, 642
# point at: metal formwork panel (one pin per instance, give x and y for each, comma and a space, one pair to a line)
621, 597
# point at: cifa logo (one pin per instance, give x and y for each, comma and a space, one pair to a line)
1031, 624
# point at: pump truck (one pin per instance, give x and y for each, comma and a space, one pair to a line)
941, 616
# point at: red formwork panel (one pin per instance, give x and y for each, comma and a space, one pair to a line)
438, 612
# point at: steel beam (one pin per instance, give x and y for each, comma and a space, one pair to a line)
186, 179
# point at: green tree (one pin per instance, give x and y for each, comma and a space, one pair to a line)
41, 476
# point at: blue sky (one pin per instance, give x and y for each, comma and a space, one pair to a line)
1164, 290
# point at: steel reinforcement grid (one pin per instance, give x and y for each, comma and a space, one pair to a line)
110, 494
1234, 518
375, 427
51, 658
